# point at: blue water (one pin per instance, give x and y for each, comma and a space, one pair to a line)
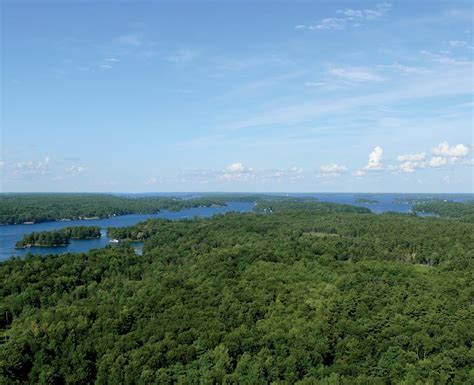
385, 202
10, 234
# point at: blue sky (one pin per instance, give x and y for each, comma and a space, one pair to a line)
294, 96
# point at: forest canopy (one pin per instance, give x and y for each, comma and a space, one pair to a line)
33, 208
21, 208
309, 294
463, 211
58, 237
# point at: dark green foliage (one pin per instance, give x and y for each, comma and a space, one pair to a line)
462, 211
20, 208
43, 238
82, 232
365, 200
58, 237
302, 205
301, 296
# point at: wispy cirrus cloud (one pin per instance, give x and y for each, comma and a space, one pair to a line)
356, 74
331, 170
366, 14
348, 17
76, 169
446, 58
445, 80
182, 56
31, 167
405, 69
460, 44
108, 63
45, 167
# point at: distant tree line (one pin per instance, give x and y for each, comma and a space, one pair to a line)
21, 208
463, 211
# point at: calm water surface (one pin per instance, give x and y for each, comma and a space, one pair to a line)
9, 235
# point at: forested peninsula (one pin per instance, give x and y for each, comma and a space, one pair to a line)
455, 210
58, 237
300, 293
34, 208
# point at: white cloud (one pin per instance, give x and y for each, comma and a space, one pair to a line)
332, 170
359, 173
333, 167
31, 168
356, 74
76, 169
236, 167
459, 44
457, 151
368, 14
349, 17
374, 159
2, 164
445, 58
328, 23
437, 161
411, 157
404, 69
238, 172
315, 84
443, 155
444, 82
408, 166
108, 63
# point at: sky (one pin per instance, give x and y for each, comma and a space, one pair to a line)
254, 96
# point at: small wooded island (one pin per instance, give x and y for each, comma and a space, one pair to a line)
58, 238
367, 201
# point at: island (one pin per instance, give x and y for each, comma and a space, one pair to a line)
58, 238
367, 201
